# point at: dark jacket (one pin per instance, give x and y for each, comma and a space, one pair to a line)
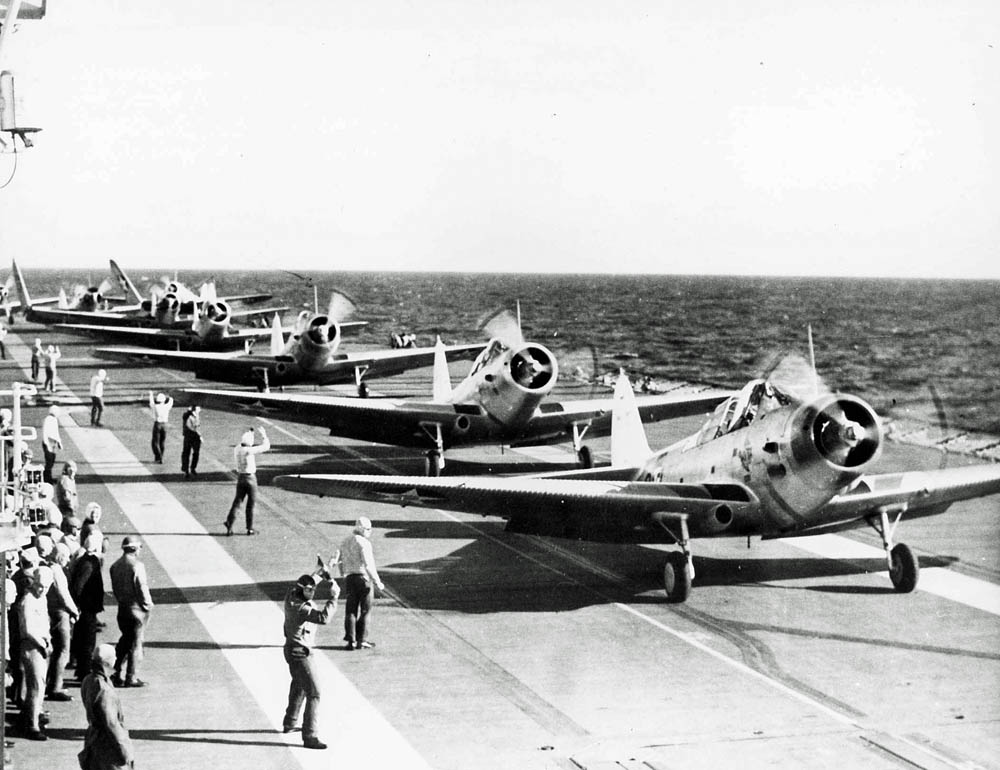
86, 584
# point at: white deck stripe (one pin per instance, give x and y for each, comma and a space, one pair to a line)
939, 581
357, 734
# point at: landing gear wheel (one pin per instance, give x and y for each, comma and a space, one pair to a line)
434, 464
676, 578
363, 389
585, 457
904, 570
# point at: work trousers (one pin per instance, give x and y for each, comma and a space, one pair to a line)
360, 594
96, 410
159, 440
304, 690
190, 451
128, 651
33, 670
246, 487
84, 642
60, 627
50, 461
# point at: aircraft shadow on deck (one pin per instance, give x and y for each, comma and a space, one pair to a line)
473, 579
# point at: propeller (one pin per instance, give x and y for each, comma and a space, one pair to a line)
578, 369
922, 422
845, 430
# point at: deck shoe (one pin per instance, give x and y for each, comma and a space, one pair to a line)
365, 645
59, 695
313, 743
135, 683
229, 528
252, 532
292, 729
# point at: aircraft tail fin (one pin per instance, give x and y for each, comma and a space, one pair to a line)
629, 446
22, 287
442, 378
125, 282
277, 337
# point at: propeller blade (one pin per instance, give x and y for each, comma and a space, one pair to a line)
581, 366
502, 325
105, 287
792, 374
341, 307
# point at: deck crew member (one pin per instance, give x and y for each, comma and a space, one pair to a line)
36, 644
160, 407
131, 588
302, 615
50, 441
86, 586
357, 564
106, 744
97, 383
191, 448
245, 455
51, 356
36, 359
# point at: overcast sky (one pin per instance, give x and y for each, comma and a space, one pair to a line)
847, 138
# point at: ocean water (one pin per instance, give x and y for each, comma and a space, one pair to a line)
894, 342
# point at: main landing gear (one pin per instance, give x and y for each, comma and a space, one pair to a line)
435, 457
362, 386
583, 453
678, 572
904, 570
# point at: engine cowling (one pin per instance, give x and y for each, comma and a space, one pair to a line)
166, 309
312, 348
827, 445
511, 392
213, 321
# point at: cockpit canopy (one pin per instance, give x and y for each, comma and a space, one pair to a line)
756, 398
490, 353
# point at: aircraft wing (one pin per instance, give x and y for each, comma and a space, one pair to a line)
285, 370
615, 511
556, 418
915, 493
406, 422
184, 338
250, 298
254, 312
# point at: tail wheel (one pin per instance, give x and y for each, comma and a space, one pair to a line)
904, 570
676, 578
585, 457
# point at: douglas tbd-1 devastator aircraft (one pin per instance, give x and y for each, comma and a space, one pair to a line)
310, 355
176, 318
501, 401
769, 462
